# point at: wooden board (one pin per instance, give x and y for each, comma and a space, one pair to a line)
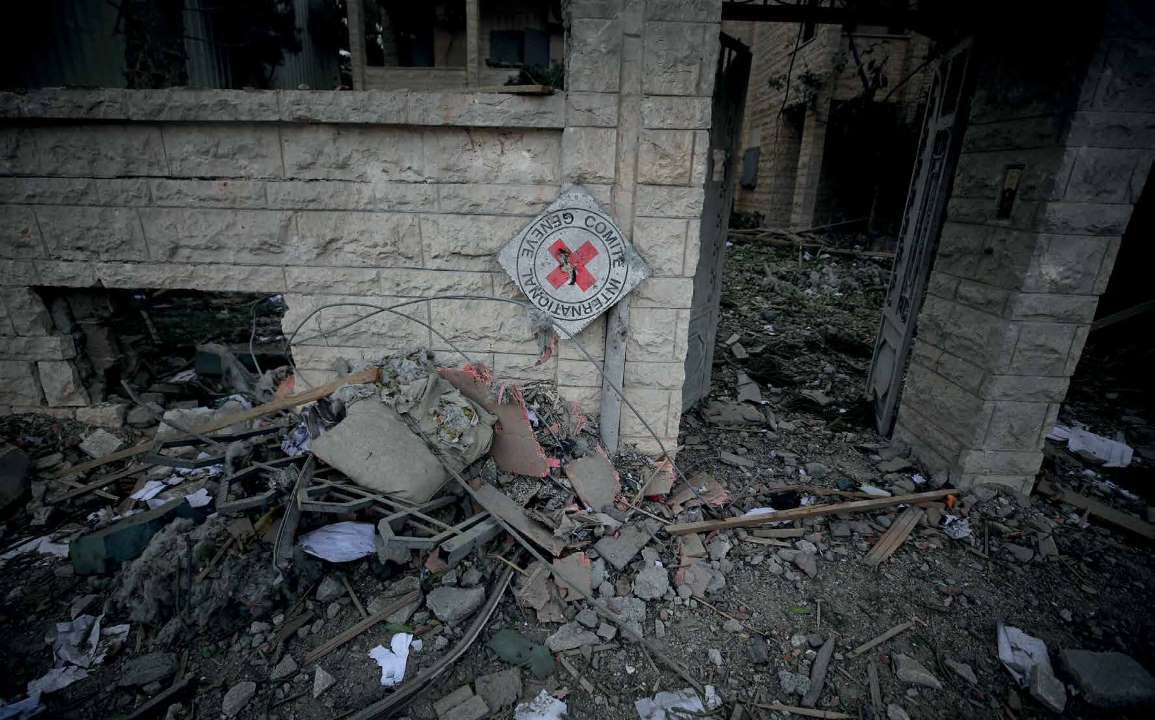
357, 378
806, 512
498, 504
894, 537
1100, 510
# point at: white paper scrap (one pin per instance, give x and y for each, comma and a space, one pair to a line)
392, 661
340, 542
1019, 652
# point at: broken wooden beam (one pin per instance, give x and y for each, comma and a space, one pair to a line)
349, 633
744, 521
896, 630
894, 537
1100, 510
358, 378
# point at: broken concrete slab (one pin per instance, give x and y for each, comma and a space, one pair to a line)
500, 690
570, 636
652, 582
283, 670
378, 451
106, 415
702, 579
100, 443
1048, 690
893, 465
578, 569
238, 697
1108, 679
725, 412
102, 550
912, 671
962, 670
146, 669
472, 709
452, 700
618, 550
322, 681
595, 480
451, 605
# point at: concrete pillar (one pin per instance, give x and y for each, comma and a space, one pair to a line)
1015, 284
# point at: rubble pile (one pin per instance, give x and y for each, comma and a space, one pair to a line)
433, 541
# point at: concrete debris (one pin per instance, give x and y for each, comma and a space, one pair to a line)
1020, 652
322, 681
101, 443
284, 670
793, 683
514, 648
147, 669
912, 671
595, 480
329, 589
238, 697
543, 707
1108, 679
378, 451
570, 636
962, 670
1047, 689
895, 712
620, 549
451, 605
652, 582
670, 705
500, 690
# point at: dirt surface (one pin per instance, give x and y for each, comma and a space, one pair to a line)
806, 326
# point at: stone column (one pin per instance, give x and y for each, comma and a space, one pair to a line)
639, 82
1015, 285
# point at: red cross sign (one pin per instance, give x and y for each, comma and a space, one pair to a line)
571, 267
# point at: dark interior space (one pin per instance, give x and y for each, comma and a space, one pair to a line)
1112, 391
143, 337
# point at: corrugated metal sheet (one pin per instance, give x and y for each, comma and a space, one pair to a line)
78, 43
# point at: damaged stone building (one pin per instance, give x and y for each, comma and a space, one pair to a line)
1026, 168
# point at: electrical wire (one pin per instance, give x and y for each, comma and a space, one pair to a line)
378, 309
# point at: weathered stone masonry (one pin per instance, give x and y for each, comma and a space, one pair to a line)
369, 196
1010, 300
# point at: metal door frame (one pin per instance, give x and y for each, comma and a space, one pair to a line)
948, 102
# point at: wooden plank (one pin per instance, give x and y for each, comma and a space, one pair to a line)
875, 687
804, 712
498, 504
778, 532
101, 483
357, 378
349, 633
1118, 317
894, 537
706, 526
1100, 510
896, 630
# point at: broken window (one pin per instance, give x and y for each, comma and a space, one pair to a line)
230, 44
404, 34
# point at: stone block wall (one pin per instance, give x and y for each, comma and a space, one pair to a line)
793, 146
369, 197
1010, 300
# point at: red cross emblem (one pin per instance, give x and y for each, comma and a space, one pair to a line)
571, 265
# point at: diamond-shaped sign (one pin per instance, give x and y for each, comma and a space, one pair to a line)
572, 261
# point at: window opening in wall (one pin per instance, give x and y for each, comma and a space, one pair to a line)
407, 34
143, 44
147, 338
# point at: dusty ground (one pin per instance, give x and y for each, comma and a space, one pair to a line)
807, 326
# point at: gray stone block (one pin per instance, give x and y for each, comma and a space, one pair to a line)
1109, 679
